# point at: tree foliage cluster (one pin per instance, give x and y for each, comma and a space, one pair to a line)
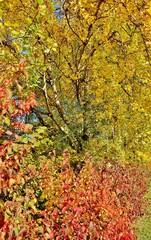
89, 65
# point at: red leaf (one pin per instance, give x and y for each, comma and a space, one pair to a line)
1, 220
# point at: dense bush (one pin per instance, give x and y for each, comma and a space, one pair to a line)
101, 202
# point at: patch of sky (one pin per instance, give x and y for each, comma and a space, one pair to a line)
58, 11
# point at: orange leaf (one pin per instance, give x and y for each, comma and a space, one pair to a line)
9, 133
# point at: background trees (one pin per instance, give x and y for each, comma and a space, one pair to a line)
89, 64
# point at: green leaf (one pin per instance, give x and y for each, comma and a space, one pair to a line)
7, 121
37, 144
15, 148
16, 230
47, 50
24, 140
40, 2
8, 214
41, 130
46, 140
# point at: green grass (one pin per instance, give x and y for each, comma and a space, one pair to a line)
144, 223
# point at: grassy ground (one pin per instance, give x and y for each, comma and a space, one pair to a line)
144, 223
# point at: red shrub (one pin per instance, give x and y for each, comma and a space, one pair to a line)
101, 202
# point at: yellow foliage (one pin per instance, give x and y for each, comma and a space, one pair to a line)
89, 63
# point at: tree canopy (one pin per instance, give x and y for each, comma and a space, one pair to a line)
89, 65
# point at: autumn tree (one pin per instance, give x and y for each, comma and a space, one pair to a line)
89, 65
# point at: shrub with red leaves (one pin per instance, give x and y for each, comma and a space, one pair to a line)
101, 202
11, 153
